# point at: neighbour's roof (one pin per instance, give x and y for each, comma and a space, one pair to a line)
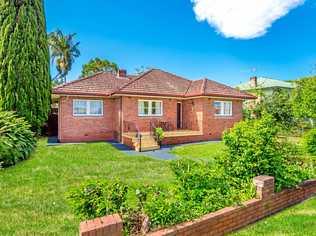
154, 82
264, 82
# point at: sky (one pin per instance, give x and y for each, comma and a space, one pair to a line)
224, 40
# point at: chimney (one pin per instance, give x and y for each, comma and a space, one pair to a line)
254, 81
122, 73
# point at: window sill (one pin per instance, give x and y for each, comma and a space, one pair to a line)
223, 116
88, 116
148, 116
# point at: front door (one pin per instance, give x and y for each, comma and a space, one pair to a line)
179, 115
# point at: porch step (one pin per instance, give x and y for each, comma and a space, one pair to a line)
148, 143
147, 148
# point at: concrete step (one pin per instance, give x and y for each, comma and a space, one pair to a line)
148, 143
148, 148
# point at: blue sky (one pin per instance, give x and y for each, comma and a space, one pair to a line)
168, 35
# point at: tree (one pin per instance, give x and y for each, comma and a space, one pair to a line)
304, 99
63, 51
25, 85
142, 69
278, 105
98, 65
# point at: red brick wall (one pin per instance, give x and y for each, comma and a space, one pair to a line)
233, 218
198, 114
130, 112
75, 129
107, 225
214, 126
201, 113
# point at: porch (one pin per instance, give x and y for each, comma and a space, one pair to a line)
144, 139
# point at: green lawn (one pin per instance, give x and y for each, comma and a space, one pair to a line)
298, 220
206, 151
32, 197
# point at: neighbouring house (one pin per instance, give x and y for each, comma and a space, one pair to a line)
127, 108
264, 86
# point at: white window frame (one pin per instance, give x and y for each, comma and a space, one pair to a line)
88, 107
149, 108
222, 108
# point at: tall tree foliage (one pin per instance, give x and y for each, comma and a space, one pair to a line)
304, 98
63, 51
98, 65
278, 105
25, 85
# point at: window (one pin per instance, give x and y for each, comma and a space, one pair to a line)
223, 108
87, 107
149, 108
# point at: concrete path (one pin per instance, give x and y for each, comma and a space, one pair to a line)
162, 154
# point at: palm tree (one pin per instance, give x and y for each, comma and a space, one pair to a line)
63, 51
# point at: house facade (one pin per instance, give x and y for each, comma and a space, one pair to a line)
128, 109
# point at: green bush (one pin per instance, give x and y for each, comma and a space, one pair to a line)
253, 149
200, 187
16, 139
159, 134
309, 141
95, 199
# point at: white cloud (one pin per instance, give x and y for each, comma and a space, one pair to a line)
243, 19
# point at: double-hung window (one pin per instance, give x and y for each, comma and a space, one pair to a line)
149, 108
223, 108
83, 107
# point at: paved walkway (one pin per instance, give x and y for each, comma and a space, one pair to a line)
162, 154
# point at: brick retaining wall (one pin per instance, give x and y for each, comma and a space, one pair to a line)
223, 221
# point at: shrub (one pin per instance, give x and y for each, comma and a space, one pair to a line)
253, 149
95, 199
164, 207
200, 187
309, 141
159, 134
16, 139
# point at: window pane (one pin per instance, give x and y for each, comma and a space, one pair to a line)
146, 107
227, 108
80, 107
96, 107
153, 108
143, 107
217, 106
158, 108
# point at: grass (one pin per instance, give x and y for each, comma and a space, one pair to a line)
32, 196
298, 220
206, 151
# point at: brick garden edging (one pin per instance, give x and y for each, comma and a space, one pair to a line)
220, 222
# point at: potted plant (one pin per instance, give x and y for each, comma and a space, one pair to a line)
159, 135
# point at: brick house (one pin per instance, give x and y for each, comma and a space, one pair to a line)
126, 108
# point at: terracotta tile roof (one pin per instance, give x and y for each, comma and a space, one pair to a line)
195, 89
104, 84
157, 82
213, 88
154, 82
